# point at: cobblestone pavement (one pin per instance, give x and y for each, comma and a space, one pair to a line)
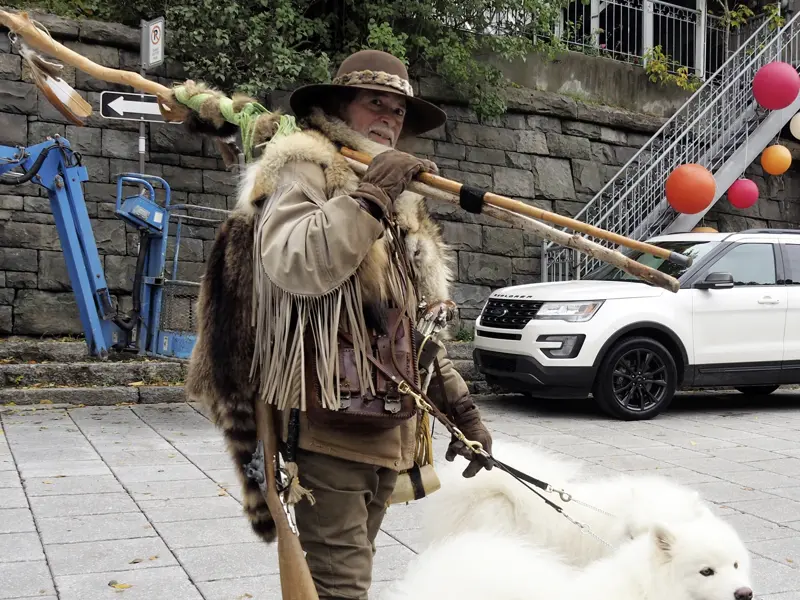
143, 497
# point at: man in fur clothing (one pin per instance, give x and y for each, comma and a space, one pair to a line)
311, 251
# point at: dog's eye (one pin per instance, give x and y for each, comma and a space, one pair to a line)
707, 572
736, 565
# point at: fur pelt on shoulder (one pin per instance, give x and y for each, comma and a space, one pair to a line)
219, 370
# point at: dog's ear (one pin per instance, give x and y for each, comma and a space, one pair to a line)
664, 540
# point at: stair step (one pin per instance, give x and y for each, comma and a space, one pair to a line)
91, 374
18, 349
92, 396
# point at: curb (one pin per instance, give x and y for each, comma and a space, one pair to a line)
96, 396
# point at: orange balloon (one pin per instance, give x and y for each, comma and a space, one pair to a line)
690, 188
776, 159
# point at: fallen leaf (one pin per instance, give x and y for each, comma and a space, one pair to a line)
693, 443
135, 561
45, 401
136, 383
153, 557
789, 560
222, 493
119, 586
47, 482
245, 595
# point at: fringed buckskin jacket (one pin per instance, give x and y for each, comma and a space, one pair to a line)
299, 255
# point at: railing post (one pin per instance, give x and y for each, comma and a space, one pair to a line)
701, 29
594, 13
647, 28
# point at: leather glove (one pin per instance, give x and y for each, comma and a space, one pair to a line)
387, 176
467, 418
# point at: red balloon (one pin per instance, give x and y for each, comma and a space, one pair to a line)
743, 193
776, 85
690, 188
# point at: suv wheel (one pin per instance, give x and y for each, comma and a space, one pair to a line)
637, 379
758, 390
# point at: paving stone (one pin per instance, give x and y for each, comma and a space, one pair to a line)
79, 505
791, 595
17, 547
744, 454
772, 577
784, 466
188, 509
25, 456
779, 510
629, 463
211, 462
785, 551
13, 498
668, 453
25, 579
714, 466
64, 468
724, 491
80, 484
215, 562
146, 584
755, 529
115, 555
761, 479
16, 520
206, 532
121, 526
9, 479
166, 490
147, 458
791, 493
161, 473
266, 587
681, 475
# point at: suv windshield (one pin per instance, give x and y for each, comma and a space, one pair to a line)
694, 249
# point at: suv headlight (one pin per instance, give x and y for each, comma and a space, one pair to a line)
574, 312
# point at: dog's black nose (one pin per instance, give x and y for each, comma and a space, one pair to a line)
743, 593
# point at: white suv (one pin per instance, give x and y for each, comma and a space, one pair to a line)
735, 322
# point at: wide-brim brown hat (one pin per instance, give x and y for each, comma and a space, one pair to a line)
373, 70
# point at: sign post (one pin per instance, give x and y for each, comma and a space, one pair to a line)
152, 55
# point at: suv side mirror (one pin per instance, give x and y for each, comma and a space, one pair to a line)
715, 281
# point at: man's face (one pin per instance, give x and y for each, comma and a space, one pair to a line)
377, 115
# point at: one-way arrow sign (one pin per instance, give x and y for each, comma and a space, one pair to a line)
129, 106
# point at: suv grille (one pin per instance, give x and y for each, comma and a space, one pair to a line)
509, 314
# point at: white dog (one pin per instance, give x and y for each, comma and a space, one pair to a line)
704, 560
631, 504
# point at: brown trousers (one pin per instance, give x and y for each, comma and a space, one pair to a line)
338, 531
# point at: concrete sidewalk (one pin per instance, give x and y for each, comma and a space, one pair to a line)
140, 502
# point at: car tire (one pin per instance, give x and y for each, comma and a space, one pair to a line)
757, 390
629, 363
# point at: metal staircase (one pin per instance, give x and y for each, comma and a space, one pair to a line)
720, 127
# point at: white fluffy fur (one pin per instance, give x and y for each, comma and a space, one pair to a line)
663, 564
499, 503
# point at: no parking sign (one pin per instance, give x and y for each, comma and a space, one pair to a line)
152, 43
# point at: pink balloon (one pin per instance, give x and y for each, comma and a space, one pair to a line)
743, 193
776, 85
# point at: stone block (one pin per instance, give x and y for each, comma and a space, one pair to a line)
446, 163
478, 180
506, 242
532, 142
480, 135
484, 269
29, 235
460, 113
519, 161
30, 217
2, 279
208, 200
474, 167
612, 136
29, 578
602, 153
543, 123
11, 202
110, 34
13, 129
525, 278
18, 259
486, 156
102, 55
86, 140
569, 146
624, 153
183, 179
637, 140
568, 208
190, 250
39, 312
218, 182
469, 296
440, 133
20, 280
198, 162
120, 271
462, 236
417, 146
165, 159
513, 182
38, 205
47, 112
98, 169
448, 150
553, 178
191, 271
18, 97
10, 67
53, 273
39, 131
172, 138
589, 176
120, 144
587, 130
6, 319
7, 296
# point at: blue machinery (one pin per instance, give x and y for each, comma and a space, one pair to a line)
162, 320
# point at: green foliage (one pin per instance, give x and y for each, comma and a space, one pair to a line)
255, 46
661, 68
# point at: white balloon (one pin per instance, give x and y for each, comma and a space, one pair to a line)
794, 126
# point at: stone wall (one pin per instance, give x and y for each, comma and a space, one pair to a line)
550, 150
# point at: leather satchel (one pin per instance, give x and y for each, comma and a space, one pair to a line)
361, 409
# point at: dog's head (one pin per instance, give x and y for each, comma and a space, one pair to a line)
705, 558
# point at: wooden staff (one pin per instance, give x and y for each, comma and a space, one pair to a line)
494, 204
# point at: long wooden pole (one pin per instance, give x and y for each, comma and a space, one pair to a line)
515, 206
